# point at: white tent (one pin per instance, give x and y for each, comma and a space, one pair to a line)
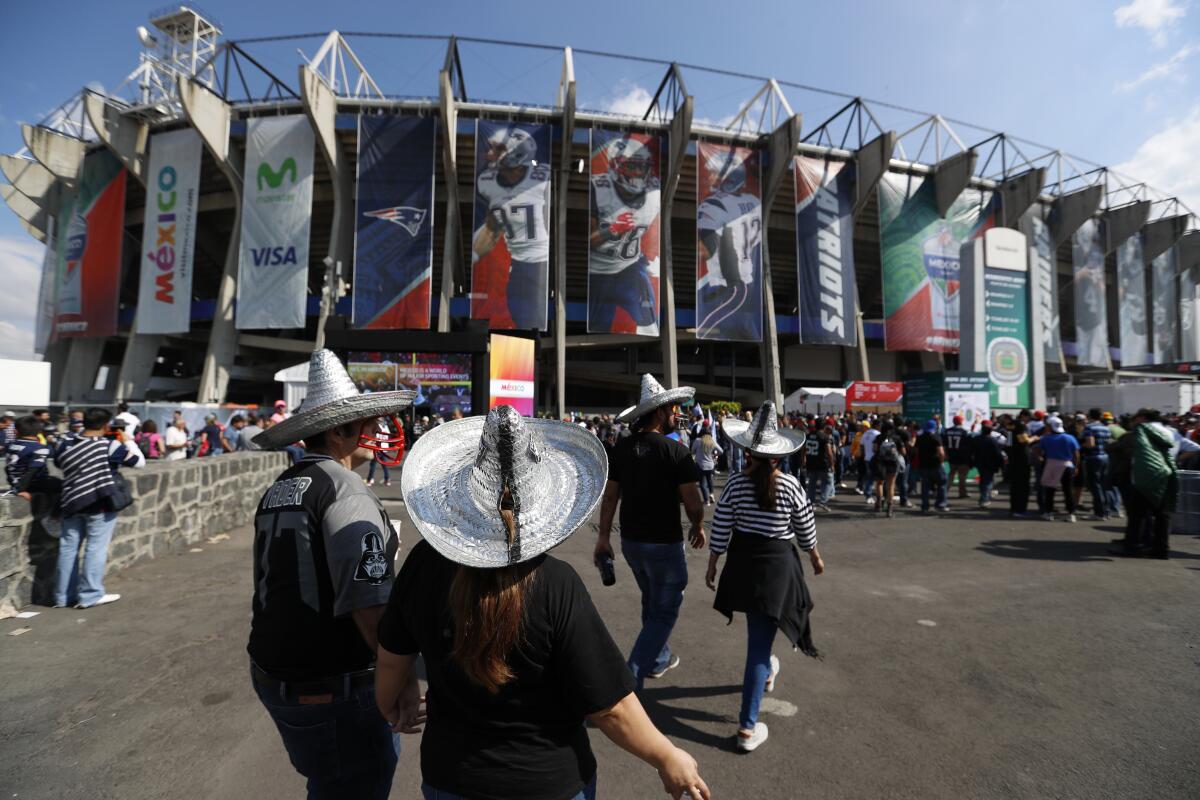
821, 400
295, 384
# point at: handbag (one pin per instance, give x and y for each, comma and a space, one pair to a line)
121, 496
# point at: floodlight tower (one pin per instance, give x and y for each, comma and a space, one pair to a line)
184, 44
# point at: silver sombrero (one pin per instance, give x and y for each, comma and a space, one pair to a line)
762, 436
332, 400
456, 473
653, 395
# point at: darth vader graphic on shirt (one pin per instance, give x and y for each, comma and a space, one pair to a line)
373, 566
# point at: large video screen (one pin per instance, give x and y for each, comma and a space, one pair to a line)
512, 366
442, 381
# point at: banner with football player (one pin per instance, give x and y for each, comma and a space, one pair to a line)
1189, 309
920, 260
169, 232
1043, 274
510, 245
729, 292
276, 216
1162, 273
1131, 299
1091, 309
825, 250
393, 241
623, 233
91, 226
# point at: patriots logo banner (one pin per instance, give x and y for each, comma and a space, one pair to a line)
825, 250
393, 241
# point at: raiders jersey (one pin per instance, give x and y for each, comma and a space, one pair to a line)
612, 256
522, 211
323, 547
741, 214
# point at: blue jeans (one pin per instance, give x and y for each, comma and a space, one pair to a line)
430, 793
661, 574
70, 584
371, 471
869, 479
760, 635
706, 484
295, 452
343, 748
527, 294
934, 478
737, 459
902, 483
986, 478
1096, 473
820, 486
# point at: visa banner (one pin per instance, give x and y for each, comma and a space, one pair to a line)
393, 241
1091, 308
169, 233
510, 245
623, 233
825, 250
276, 216
920, 260
91, 226
512, 373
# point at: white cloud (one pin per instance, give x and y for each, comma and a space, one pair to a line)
1167, 160
629, 99
1164, 69
21, 266
1153, 16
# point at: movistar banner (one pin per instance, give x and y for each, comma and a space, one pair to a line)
1043, 275
393, 242
920, 260
169, 233
1091, 309
276, 216
1131, 294
1162, 272
825, 250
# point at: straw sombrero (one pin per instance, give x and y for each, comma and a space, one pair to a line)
332, 400
653, 395
456, 473
762, 436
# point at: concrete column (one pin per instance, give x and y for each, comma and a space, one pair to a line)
567, 100
62, 155
29, 178
679, 134
1072, 210
1018, 193
83, 360
1121, 223
452, 251
28, 211
210, 116
781, 146
871, 161
950, 177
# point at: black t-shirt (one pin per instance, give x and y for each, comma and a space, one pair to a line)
956, 445
323, 547
927, 450
650, 469
817, 458
528, 739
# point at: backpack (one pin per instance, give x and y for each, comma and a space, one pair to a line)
888, 452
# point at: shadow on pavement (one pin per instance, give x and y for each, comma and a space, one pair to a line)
670, 719
1054, 550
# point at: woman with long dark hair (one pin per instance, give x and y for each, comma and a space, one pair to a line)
761, 517
515, 653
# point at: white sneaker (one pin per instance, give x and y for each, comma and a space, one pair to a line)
103, 601
1048, 517
774, 673
1070, 517
756, 737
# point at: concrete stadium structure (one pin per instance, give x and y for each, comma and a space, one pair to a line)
188, 76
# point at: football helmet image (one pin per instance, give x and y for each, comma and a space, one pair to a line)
727, 172
630, 165
511, 148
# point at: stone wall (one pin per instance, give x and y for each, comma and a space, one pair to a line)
176, 503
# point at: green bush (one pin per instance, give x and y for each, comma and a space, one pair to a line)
722, 407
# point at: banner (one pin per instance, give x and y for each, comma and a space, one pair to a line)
874, 393
1006, 317
276, 216
729, 292
89, 250
1043, 269
511, 373
1189, 308
623, 234
1162, 271
441, 381
1091, 311
393, 240
825, 250
1131, 299
967, 395
510, 248
920, 260
169, 233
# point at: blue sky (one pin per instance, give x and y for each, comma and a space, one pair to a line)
1114, 82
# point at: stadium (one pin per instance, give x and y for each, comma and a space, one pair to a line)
178, 269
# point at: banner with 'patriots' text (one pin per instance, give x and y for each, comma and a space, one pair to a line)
91, 226
1131, 299
510, 243
825, 250
393, 241
169, 233
623, 222
276, 216
1043, 276
1162, 275
1091, 307
729, 288
920, 260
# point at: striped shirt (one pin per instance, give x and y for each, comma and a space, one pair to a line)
738, 510
87, 464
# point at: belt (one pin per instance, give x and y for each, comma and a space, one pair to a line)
318, 690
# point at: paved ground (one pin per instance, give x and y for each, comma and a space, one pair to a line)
966, 656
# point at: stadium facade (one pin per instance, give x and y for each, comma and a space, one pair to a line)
211, 220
